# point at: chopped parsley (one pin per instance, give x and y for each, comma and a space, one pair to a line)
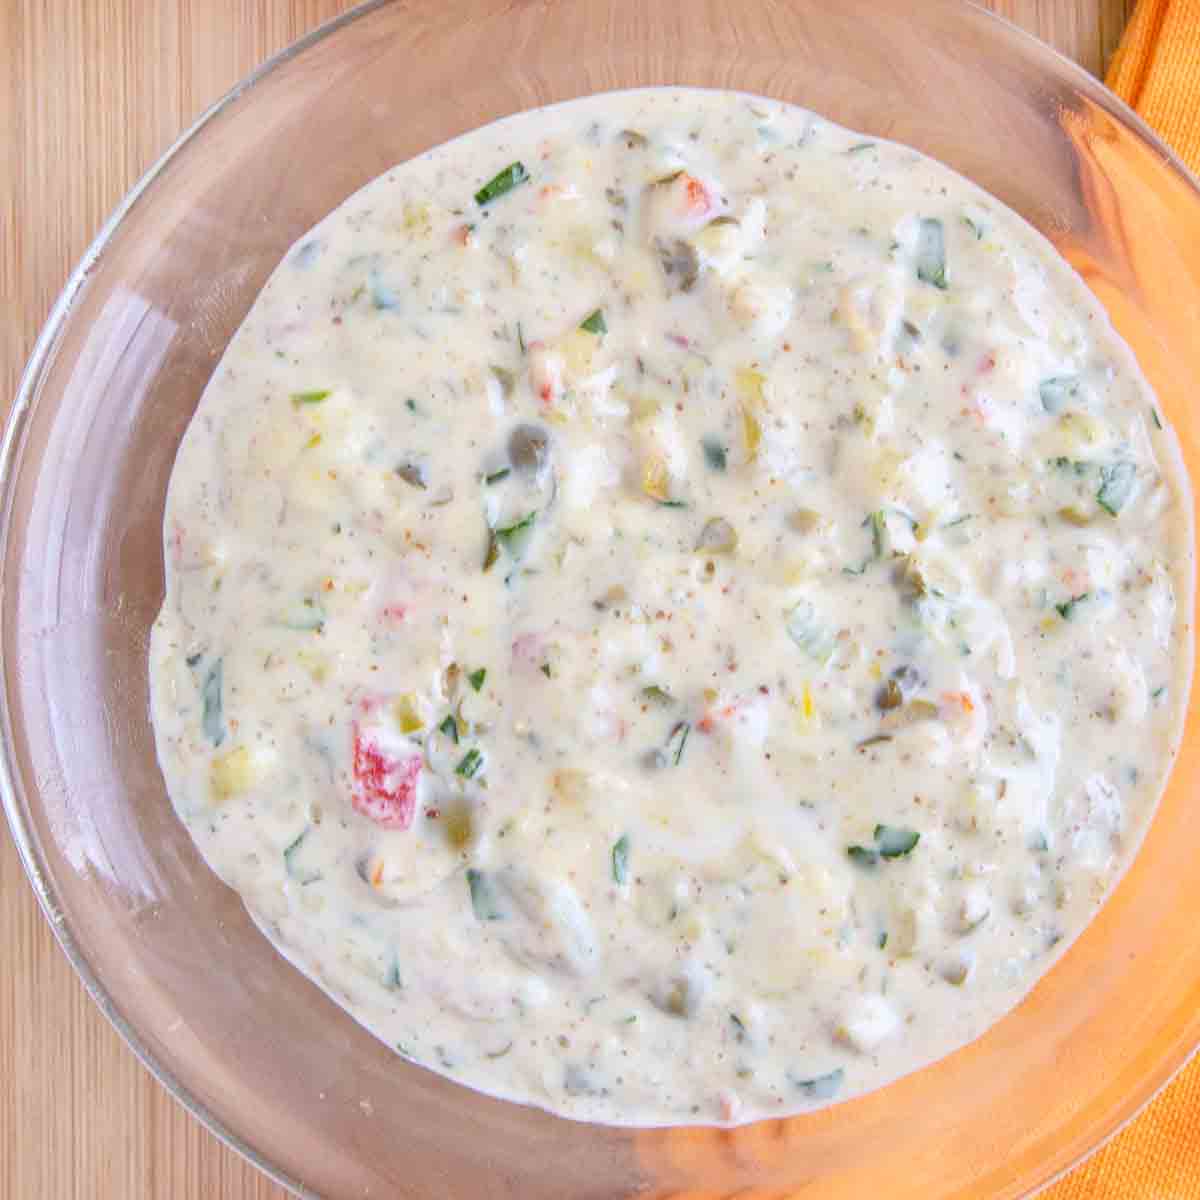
594, 323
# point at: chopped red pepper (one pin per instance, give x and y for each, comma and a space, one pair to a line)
385, 788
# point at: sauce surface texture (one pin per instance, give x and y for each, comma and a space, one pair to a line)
675, 611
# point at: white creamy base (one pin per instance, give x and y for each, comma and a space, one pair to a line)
690, 638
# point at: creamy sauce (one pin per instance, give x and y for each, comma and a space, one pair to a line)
675, 611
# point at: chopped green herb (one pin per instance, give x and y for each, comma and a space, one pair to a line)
931, 253
301, 398
213, 720
449, 728
594, 323
1116, 486
471, 762
290, 850
822, 1087
1067, 609
672, 503
515, 538
862, 856
1058, 391
410, 404
520, 337
881, 940
894, 841
483, 896
657, 695
545, 670
476, 678
677, 741
501, 183
860, 147
974, 227
1157, 419
739, 1027
620, 859
715, 454
497, 476
193, 659
878, 523
393, 977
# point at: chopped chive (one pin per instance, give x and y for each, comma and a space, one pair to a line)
877, 520
496, 476
894, 841
1067, 608
520, 337
1157, 420
410, 404
677, 741
299, 398
1116, 486
501, 183
213, 720
471, 762
476, 678
292, 847
739, 1027
657, 695
714, 454
449, 728
545, 670
620, 859
595, 323
672, 504
483, 896
881, 940
931, 253
860, 147
514, 538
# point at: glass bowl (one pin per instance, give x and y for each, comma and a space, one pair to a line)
249, 1045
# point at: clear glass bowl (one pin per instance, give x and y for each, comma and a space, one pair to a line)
249, 1045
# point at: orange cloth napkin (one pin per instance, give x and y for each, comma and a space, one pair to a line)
1156, 1157
1157, 71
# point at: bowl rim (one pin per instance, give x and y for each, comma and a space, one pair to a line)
11, 444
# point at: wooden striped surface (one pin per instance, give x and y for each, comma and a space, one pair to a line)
96, 90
